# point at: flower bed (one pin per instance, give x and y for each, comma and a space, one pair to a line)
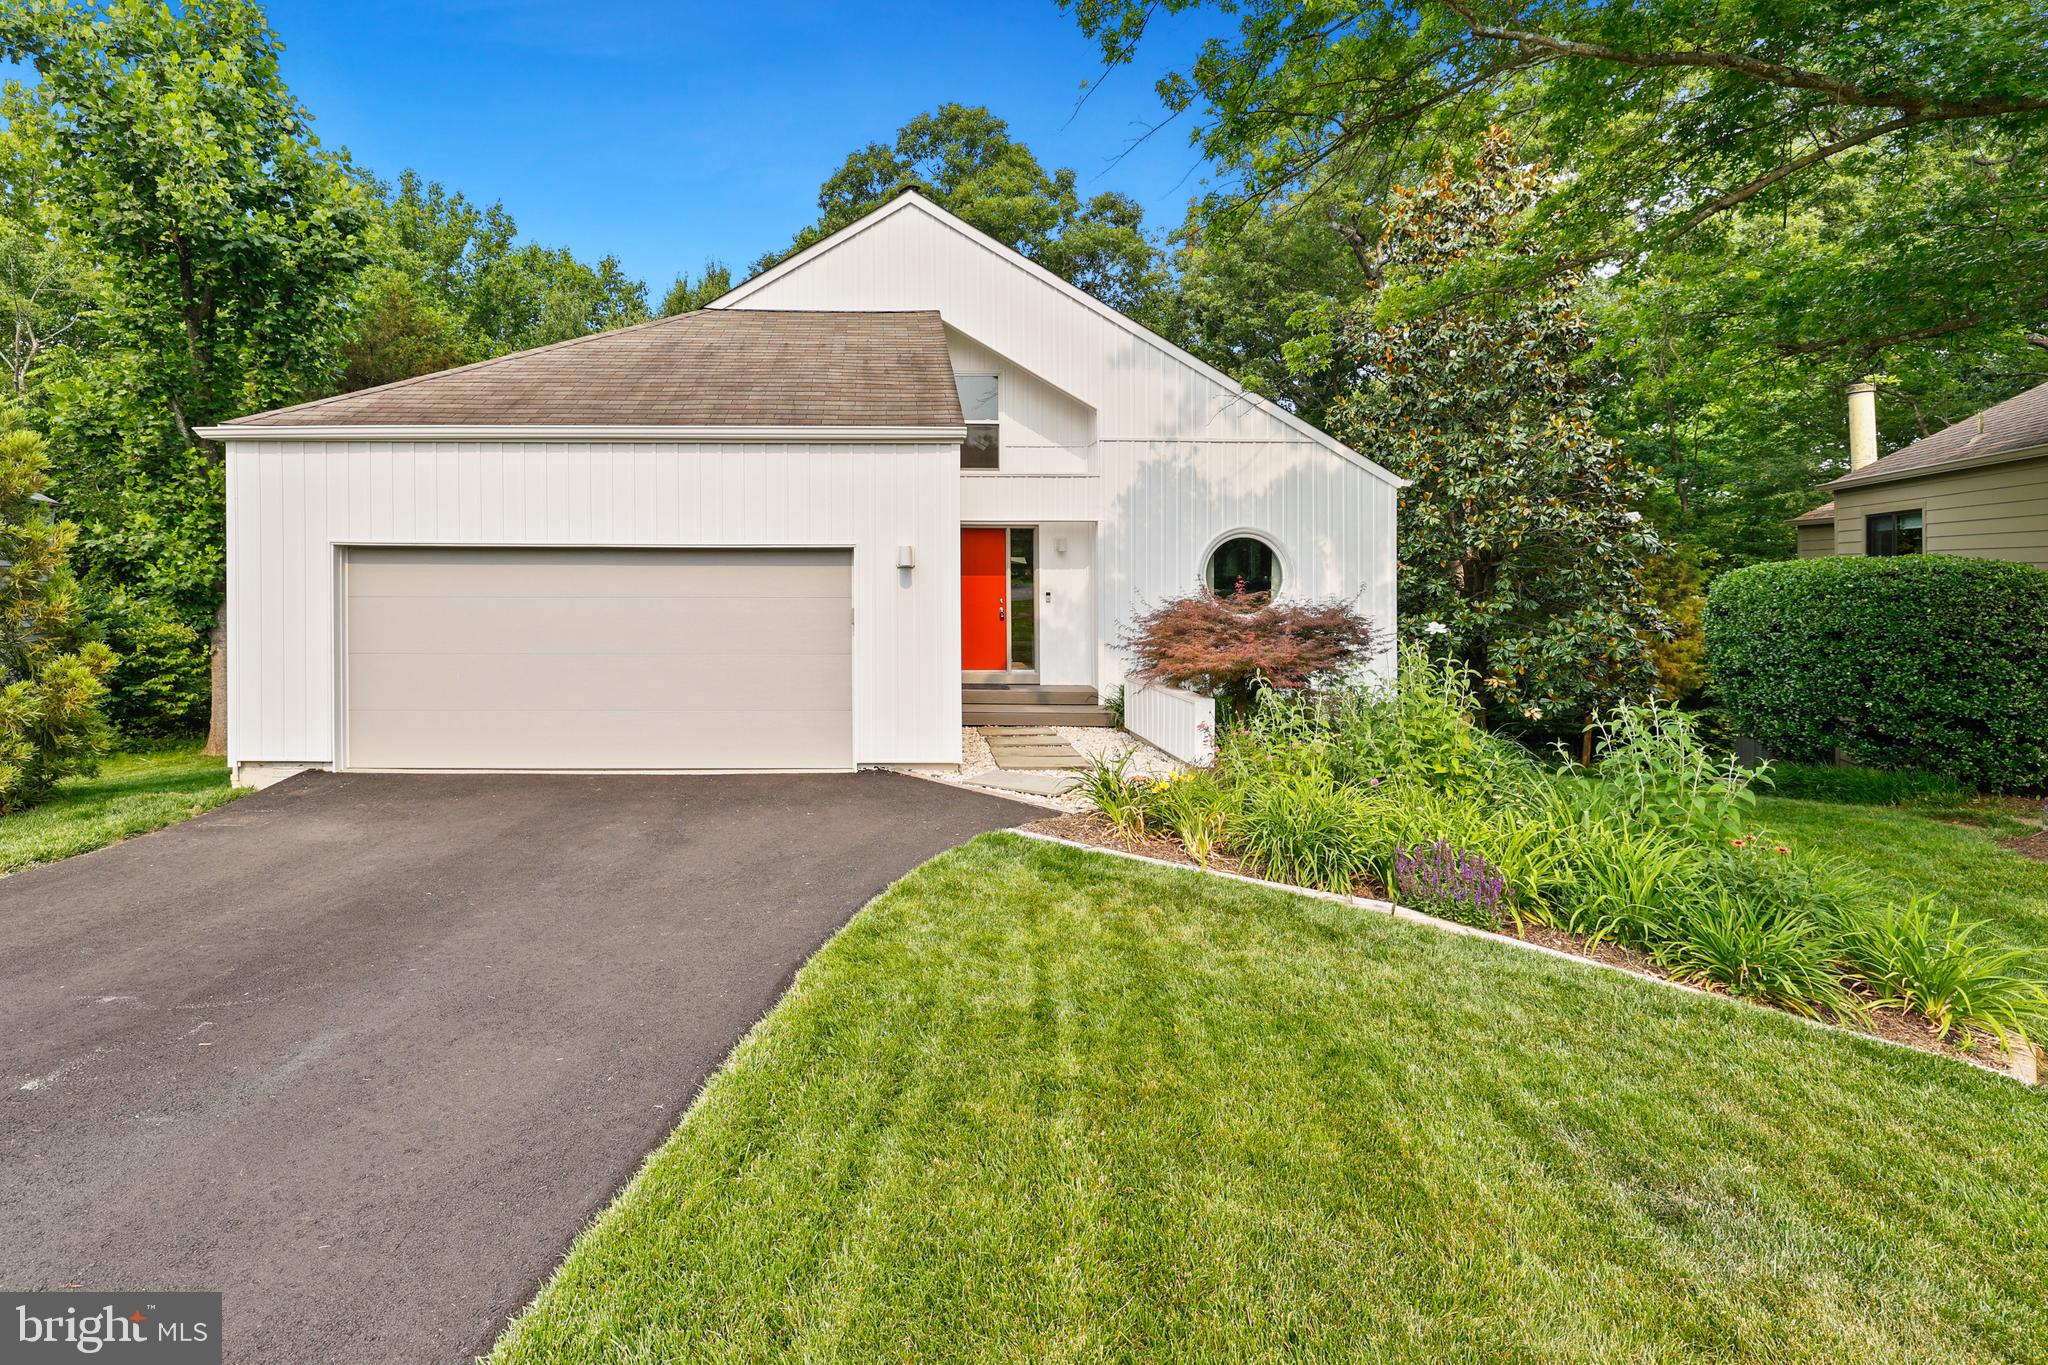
1651, 861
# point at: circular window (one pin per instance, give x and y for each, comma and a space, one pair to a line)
1242, 565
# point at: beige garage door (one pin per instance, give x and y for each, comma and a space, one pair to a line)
599, 659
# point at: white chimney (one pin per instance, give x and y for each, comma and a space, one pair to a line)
1862, 425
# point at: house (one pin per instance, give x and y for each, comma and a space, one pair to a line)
789, 532
1978, 488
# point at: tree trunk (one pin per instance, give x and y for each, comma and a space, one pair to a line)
217, 723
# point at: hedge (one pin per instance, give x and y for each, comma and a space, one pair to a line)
1919, 661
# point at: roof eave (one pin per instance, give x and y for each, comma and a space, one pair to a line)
1863, 478
536, 431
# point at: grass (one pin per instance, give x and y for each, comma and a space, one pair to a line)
133, 794
1909, 850
1040, 1104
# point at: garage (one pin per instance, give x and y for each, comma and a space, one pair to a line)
549, 658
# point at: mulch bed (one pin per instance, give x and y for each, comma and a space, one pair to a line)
1893, 1025
2033, 846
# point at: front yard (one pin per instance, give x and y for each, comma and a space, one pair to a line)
132, 794
1037, 1103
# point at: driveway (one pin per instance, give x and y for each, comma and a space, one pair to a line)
366, 1051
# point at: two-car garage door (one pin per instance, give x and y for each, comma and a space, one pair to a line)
595, 659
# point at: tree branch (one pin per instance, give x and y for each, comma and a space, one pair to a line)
1934, 107
1771, 177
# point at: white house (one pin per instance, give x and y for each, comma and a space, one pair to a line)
781, 533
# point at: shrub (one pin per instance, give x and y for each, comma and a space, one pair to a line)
1653, 763
1226, 649
1942, 968
1451, 883
162, 685
1303, 828
1921, 661
50, 673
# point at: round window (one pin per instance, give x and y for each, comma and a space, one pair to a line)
1243, 565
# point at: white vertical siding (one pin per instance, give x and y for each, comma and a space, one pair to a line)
1179, 724
291, 503
1179, 458
1166, 504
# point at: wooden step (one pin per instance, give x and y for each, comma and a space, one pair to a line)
1003, 694
978, 714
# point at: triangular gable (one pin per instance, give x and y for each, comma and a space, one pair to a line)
1229, 390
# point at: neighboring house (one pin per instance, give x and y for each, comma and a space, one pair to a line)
782, 533
1978, 488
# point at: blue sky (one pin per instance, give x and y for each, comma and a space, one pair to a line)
670, 134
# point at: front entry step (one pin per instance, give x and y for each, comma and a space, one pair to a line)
1031, 747
1031, 704
1092, 717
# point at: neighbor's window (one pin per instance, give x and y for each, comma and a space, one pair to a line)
981, 449
1243, 564
1892, 533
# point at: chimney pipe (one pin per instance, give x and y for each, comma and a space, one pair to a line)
1862, 425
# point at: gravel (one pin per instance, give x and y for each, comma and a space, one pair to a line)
1092, 741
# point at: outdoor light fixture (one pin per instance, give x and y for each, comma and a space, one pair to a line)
906, 556
1059, 545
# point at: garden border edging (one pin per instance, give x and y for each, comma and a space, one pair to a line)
2027, 1075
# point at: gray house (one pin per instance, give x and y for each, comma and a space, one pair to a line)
1977, 488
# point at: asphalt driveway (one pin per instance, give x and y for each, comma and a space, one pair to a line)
366, 1051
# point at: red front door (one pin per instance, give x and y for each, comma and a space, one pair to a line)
984, 597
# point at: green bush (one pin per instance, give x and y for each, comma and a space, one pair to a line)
1921, 661
161, 685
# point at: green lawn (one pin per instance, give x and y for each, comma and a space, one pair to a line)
1040, 1104
1916, 853
133, 794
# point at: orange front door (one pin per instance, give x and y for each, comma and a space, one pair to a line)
984, 597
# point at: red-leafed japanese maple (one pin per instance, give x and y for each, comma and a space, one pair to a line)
1226, 646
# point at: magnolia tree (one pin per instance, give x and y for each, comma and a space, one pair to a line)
1521, 544
50, 687
1226, 647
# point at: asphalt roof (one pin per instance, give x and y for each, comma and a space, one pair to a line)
740, 367
1819, 516
2018, 424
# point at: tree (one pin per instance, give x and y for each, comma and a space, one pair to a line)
50, 673
1774, 199
686, 297
964, 159
1521, 543
225, 242
46, 292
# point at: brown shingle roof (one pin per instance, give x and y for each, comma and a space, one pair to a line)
1819, 516
712, 368
2018, 424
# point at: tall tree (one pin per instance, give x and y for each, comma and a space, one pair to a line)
225, 241
50, 672
963, 158
1522, 543
1775, 199
454, 284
